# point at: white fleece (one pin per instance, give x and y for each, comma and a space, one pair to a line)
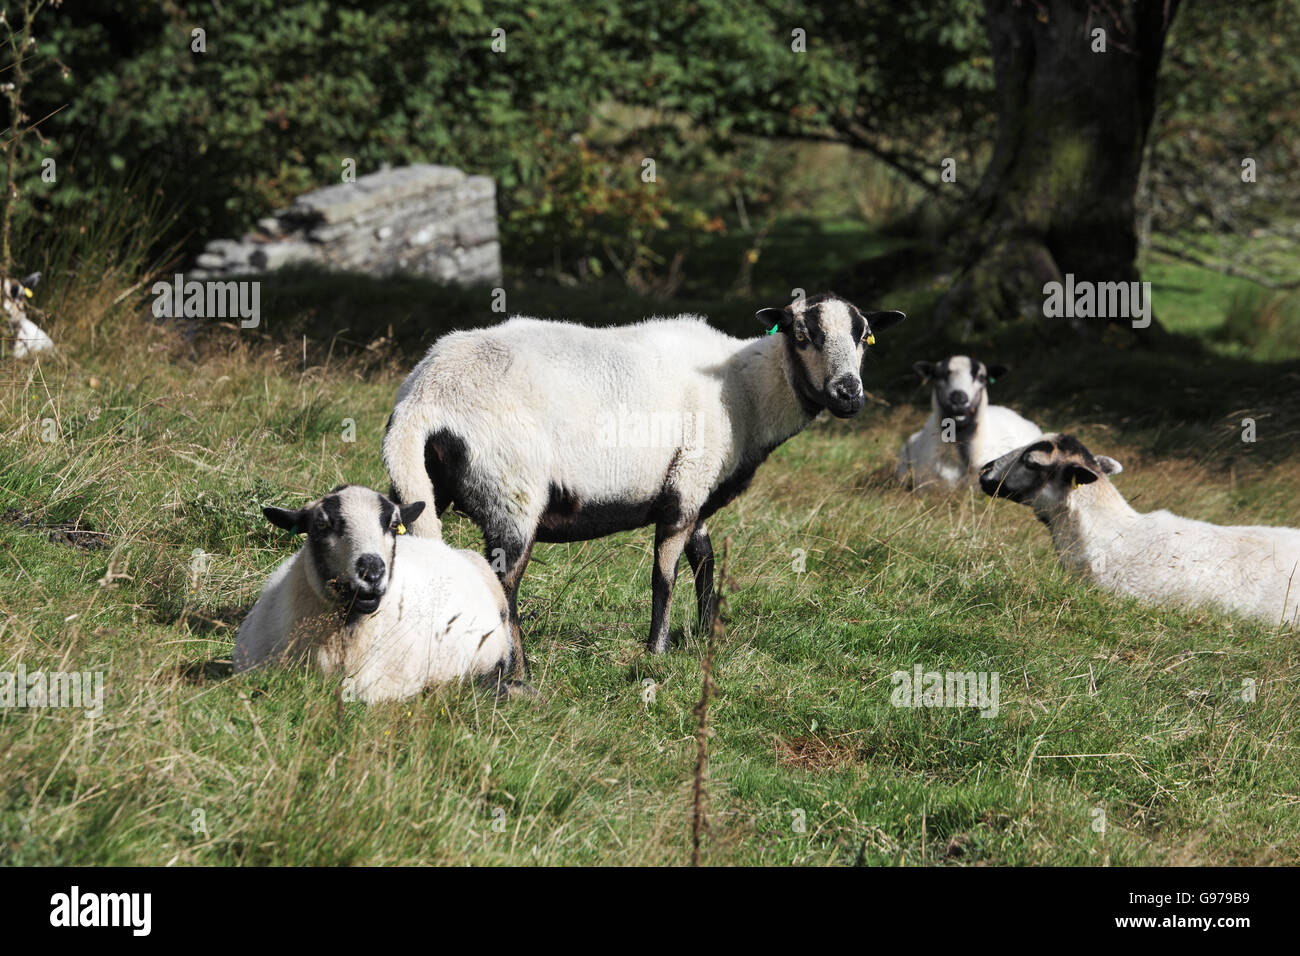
932, 462
1163, 558
442, 619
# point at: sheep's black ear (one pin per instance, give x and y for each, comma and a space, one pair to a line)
410, 512
296, 522
1109, 466
923, 369
879, 321
996, 371
31, 280
773, 318
1081, 475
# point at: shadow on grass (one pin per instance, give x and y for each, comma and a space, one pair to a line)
1180, 398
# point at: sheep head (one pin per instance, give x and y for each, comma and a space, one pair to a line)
351, 544
825, 338
1044, 473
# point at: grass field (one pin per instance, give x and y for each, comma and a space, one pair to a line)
132, 543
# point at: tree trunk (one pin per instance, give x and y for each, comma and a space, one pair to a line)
1058, 195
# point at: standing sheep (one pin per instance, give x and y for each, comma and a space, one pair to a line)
1157, 557
963, 431
551, 431
368, 602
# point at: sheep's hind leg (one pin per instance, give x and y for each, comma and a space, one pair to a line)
699, 552
669, 543
511, 551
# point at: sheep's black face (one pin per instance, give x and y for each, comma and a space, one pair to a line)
1043, 473
959, 385
351, 543
826, 337
16, 294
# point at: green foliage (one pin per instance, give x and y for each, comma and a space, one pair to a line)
286, 91
1227, 91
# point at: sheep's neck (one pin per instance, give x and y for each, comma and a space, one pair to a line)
772, 391
964, 436
1089, 521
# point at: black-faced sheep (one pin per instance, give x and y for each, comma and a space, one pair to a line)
387, 611
963, 431
1158, 557
25, 336
551, 431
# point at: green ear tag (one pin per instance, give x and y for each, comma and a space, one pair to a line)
772, 330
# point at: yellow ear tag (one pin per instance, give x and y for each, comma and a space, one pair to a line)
27, 292
401, 529
1074, 483
871, 340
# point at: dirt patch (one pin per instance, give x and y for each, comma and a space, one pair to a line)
815, 753
69, 533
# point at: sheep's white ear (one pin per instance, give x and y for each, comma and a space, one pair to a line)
292, 521
1109, 466
31, 280
410, 512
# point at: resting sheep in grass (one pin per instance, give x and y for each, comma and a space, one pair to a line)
1158, 556
963, 431
365, 601
24, 334
551, 431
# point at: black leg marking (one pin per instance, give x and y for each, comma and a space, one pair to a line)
668, 551
699, 552
509, 551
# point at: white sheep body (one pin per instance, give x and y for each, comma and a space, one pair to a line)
28, 338
728, 395
552, 431
1161, 557
928, 459
441, 620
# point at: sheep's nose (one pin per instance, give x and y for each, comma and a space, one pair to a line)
370, 568
958, 399
846, 389
986, 470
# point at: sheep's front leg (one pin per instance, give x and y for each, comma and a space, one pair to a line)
699, 552
669, 543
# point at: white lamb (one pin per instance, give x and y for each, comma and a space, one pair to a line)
25, 335
1157, 557
963, 431
550, 431
365, 601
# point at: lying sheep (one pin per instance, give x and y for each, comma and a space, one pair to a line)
963, 431
550, 431
26, 336
1157, 557
365, 601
